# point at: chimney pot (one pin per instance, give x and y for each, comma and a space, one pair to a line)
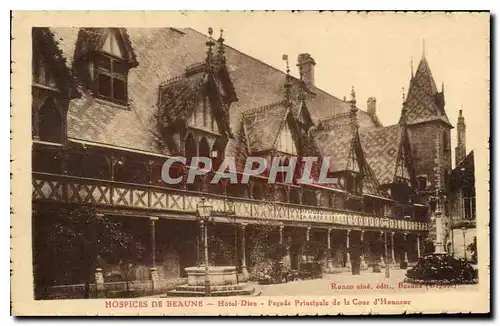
306, 64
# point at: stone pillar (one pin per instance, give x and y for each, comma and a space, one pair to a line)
235, 250
348, 254
154, 272
393, 256
244, 270
384, 239
405, 248
329, 264
99, 281
418, 245
281, 234
362, 256
305, 256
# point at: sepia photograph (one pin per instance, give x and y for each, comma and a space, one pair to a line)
329, 164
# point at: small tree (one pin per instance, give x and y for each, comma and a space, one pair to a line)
81, 236
130, 251
276, 252
317, 250
472, 247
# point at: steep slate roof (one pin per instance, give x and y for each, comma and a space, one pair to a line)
342, 119
179, 97
162, 53
335, 144
421, 104
262, 126
380, 147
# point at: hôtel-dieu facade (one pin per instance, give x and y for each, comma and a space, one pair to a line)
110, 105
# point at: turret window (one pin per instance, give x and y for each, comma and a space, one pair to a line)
422, 182
446, 143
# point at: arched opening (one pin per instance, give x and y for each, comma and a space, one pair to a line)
281, 194
47, 161
204, 148
217, 154
89, 165
50, 122
294, 196
309, 198
131, 171
190, 148
237, 190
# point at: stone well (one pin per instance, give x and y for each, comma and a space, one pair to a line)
223, 282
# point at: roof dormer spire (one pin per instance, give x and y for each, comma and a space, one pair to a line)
288, 83
353, 99
353, 112
221, 51
209, 43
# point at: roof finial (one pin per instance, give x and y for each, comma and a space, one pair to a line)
404, 97
442, 87
285, 58
209, 43
423, 48
220, 51
411, 65
353, 113
353, 99
287, 80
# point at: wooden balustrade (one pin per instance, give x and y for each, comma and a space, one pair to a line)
49, 187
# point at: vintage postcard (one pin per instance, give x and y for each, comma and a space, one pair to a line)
250, 163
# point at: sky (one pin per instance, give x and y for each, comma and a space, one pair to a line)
373, 53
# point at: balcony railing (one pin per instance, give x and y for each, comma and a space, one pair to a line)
101, 193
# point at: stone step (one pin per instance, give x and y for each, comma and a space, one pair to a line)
186, 293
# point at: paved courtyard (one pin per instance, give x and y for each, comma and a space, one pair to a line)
346, 283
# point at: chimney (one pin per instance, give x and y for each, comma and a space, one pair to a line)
371, 106
460, 150
306, 65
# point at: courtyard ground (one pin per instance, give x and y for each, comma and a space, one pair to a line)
346, 283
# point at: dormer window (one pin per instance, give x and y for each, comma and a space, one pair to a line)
353, 183
109, 64
111, 76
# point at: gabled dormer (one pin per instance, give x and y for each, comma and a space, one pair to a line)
286, 142
197, 104
103, 58
52, 88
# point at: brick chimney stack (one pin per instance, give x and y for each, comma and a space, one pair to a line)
306, 65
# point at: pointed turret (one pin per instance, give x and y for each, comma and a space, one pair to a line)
423, 101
